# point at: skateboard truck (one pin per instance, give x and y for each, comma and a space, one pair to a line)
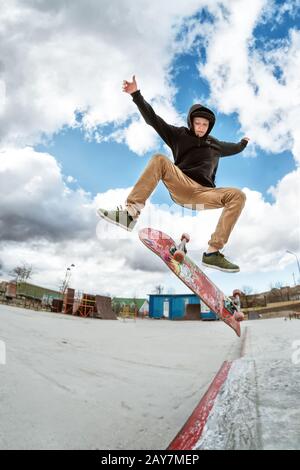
179, 252
235, 312
229, 306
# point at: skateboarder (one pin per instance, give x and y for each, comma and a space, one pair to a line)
190, 180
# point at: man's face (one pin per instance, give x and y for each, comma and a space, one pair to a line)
200, 126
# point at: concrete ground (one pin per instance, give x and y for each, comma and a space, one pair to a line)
73, 383
259, 404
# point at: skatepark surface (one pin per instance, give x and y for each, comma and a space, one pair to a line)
73, 383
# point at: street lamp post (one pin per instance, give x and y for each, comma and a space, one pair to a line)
298, 264
67, 278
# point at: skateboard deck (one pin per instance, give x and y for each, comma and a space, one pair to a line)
192, 276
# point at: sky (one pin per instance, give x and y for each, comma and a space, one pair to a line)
71, 141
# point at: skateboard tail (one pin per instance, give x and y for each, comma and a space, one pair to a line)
233, 323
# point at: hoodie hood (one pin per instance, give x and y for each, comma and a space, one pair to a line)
197, 110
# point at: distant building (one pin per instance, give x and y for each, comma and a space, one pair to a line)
282, 294
179, 307
37, 292
27, 295
29, 291
138, 306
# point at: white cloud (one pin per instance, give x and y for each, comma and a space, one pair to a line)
58, 58
136, 136
71, 179
36, 203
243, 78
73, 56
276, 11
265, 231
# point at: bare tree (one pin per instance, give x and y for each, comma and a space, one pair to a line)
28, 271
16, 273
247, 290
159, 289
279, 284
276, 285
22, 273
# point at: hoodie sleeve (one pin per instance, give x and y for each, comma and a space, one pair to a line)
166, 131
229, 148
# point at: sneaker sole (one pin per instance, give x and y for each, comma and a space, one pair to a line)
128, 229
221, 269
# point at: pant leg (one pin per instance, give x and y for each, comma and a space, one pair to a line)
188, 193
231, 199
160, 168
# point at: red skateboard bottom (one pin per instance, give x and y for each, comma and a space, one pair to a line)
191, 275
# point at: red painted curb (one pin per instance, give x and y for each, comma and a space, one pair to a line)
191, 432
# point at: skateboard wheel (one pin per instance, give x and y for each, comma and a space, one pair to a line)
239, 316
179, 256
185, 236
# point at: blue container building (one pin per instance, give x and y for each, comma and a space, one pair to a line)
179, 307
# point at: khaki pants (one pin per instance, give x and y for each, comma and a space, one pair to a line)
186, 192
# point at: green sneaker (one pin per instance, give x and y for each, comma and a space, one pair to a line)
218, 261
120, 217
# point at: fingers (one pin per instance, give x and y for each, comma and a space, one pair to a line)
125, 85
129, 87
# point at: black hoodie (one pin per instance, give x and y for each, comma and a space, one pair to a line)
197, 157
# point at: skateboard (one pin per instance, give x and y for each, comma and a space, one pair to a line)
175, 257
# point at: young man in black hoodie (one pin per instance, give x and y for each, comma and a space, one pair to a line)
190, 180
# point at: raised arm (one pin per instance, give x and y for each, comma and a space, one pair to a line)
230, 148
166, 131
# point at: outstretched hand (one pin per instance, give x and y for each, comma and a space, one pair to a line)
246, 138
130, 87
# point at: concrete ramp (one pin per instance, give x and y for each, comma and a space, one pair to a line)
233, 423
103, 308
192, 431
253, 402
